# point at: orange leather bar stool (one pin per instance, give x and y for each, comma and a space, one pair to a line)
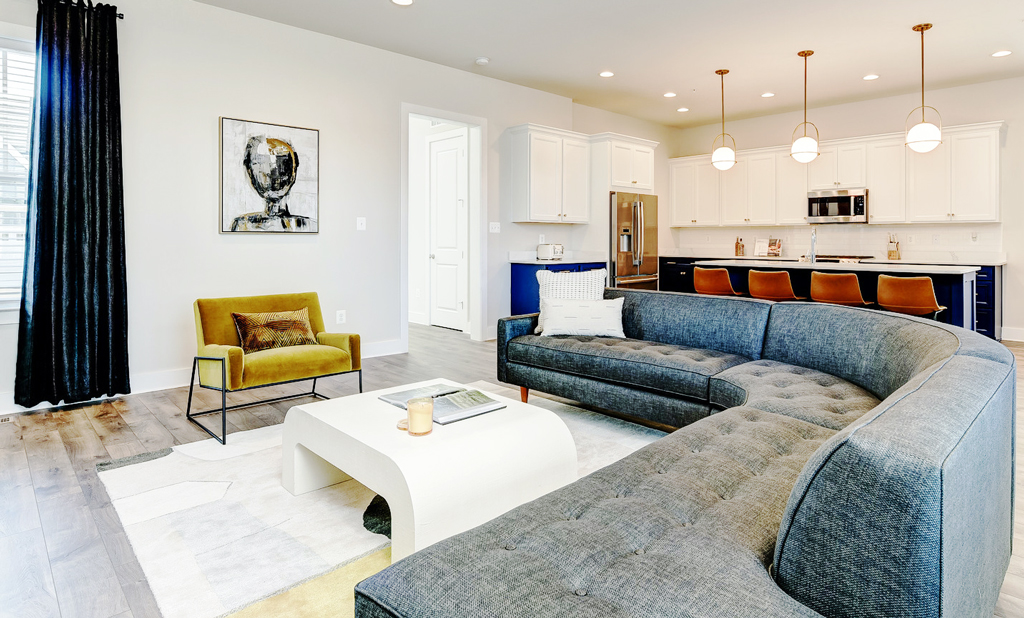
713, 281
837, 289
910, 295
771, 285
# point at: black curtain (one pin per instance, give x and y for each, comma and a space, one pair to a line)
73, 334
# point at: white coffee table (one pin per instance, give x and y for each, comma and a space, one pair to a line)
461, 475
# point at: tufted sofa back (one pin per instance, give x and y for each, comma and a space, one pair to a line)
733, 325
877, 351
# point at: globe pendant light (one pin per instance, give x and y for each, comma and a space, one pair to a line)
924, 136
805, 148
723, 157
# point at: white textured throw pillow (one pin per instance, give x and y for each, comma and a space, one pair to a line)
595, 318
588, 285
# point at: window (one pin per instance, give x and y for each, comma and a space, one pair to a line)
17, 75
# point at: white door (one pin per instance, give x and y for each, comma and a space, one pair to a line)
974, 168
734, 194
761, 189
448, 180
575, 181
927, 185
545, 177
887, 193
790, 190
622, 164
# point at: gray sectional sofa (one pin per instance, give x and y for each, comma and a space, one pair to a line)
832, 462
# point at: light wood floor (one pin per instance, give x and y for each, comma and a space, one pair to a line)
63, 551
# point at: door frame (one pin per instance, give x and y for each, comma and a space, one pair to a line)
478, 263
430, 140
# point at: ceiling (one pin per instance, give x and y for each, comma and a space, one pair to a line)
658, 46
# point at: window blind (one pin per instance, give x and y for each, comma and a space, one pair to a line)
17, 76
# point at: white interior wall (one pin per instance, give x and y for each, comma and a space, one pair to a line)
996, 100
183, 65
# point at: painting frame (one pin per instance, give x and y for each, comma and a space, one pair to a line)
242, 208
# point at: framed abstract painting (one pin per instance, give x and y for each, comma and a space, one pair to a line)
269, 178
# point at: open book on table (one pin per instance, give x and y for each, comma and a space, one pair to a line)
451, 403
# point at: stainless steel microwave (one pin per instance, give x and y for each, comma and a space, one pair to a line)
838, 206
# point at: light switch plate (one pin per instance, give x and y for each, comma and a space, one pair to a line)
341, 317
361, 224
495, 227
540, 239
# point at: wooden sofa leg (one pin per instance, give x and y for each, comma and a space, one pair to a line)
524, 393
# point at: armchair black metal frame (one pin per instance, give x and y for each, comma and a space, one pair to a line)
224, 407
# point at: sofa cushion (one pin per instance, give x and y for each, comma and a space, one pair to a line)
799, 392
655, 366
293, 363
878, 351
682, 527
732, 325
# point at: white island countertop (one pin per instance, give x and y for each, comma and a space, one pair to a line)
877, 267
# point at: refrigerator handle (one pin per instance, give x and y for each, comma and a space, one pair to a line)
643, 232
636, 233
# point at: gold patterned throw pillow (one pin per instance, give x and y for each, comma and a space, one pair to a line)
263, 331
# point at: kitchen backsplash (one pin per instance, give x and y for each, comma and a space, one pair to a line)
927, 243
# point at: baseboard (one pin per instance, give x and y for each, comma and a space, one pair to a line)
175, 378
1011, 333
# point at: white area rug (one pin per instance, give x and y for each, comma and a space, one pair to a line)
214, 530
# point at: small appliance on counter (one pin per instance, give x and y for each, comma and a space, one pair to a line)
550, 252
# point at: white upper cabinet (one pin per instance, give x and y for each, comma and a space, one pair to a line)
682, 174
959, 180
927, 185
761, 199
790, 189
575, 180
707, 192
550, 175
734, 199
632, 166
840, 166
974, 180
887, 181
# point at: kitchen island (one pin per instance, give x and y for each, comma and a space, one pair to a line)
955, 286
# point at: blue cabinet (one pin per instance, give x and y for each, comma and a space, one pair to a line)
526, 290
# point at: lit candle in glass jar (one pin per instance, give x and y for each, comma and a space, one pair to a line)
421, 416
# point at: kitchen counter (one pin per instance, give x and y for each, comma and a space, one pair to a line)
881, 267
555, 262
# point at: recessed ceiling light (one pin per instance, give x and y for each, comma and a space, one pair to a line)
1000, 54
606, 74
870, 77
767, 95
669, 95
482, 60
402, 2
683, 109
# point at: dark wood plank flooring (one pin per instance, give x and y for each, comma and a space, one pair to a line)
63, 551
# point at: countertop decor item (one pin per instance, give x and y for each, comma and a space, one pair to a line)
893, 249
805, 148
740, 249
723, 156
924, 136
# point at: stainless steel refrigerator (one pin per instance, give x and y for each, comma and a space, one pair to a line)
634, 250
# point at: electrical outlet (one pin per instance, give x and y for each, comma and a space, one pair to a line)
341, 316
707, 239
540, 239
974, 237
936, 239
361, 224
495, 227
910, 239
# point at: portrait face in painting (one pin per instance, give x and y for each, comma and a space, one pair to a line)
272, 165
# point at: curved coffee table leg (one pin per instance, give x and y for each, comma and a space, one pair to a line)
303, 471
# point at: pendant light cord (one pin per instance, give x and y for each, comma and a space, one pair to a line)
723, 107
922, 74
805, 96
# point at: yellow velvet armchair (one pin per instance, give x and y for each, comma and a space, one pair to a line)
223, 366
